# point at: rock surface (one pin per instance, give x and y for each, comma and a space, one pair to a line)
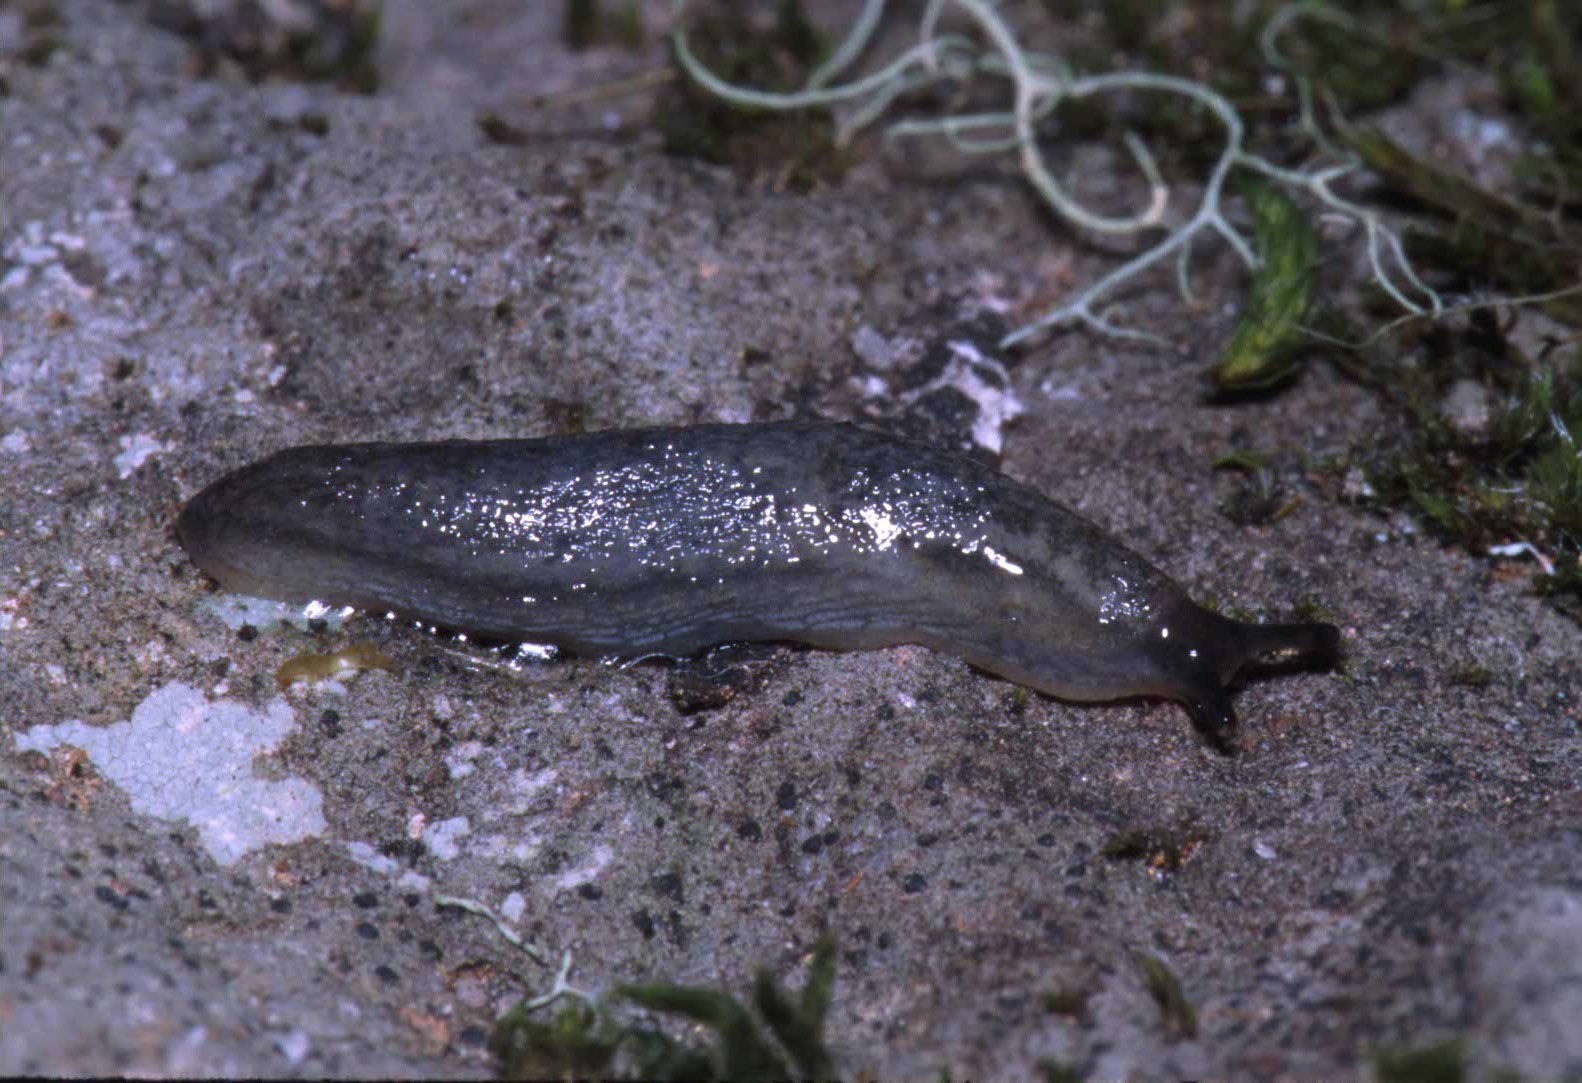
201, 874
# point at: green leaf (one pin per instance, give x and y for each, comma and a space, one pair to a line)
742, 1053
571, 1045
1180, 1019
1264, 348
799, 1026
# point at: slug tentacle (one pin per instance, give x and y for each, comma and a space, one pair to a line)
667, 541
1269, 643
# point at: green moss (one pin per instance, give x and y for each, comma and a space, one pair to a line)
781, 1037
37, 49
333, 43
1054, 1071
1367, 60
1563, 585
501, 132
795, 149
340, 48
1069, 1001
1312, 608
1513, 477
1544, 76
630, 31
1261, 496
585, 24
1478, 233
1441, 1062
580, 23
1243, 459
1364, 56
573, 1043
1533, 86
1554, 477
1133, 24
40, 15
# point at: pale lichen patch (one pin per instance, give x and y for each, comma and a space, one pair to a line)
182, 757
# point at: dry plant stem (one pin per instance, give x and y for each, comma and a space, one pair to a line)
648, 80
1448, 310
1040, 83
851, 48
559, 988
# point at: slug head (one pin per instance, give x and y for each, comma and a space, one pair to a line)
1200, 655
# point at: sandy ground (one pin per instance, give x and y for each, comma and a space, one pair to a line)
202, 875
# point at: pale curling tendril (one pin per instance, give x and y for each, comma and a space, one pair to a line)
1039, 83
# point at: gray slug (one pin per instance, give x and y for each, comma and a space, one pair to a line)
667, 541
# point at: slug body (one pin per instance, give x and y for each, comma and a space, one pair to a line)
666, 541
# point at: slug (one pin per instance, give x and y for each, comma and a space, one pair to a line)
669, 540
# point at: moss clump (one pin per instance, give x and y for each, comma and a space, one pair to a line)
781, 1037
1506, 473
788, 149
320, 41
1440, 1062
586, 23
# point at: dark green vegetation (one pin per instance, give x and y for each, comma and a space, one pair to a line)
1487, 452
1263, 349
793, 150
781, 1037
1485, 446
1160, 851
318, 40
1441, 1062
1478, 234
1175, 1010
589, 23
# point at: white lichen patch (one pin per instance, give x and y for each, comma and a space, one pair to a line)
513, 847
181, 757
996, 401
585, 873
365, 855
513, 906
459, 761
984, 379
136, 450
443, 838
236, 610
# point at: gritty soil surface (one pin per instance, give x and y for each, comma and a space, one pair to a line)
200, 873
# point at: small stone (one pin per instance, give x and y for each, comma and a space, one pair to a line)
1468, 408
